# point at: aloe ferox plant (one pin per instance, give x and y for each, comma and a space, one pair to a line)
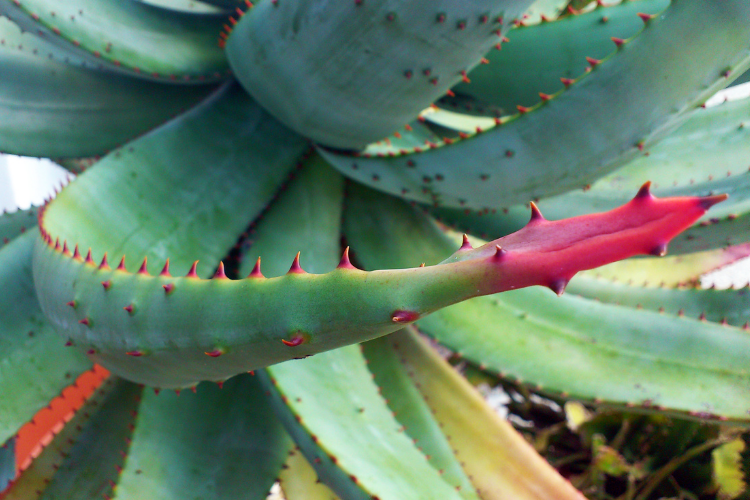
259, 246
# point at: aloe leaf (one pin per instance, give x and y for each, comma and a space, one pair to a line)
219, 443
414, 413
392, 59
542, 54
570, 346
299, 481
50, 108
501, 463
728, 306
670, 271
571, 140
15, 223
32, 355
82, 453
146, 41
158, 329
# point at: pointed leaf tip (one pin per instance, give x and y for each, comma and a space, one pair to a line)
707, 202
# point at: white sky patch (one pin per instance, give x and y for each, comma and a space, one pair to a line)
31, 180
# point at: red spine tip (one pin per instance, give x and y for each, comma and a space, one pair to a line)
129, 308
466, 244
144, 267
558, 286
402, 316
168, 288
121, 266
215, 353
104, 264
618, 41
644, 192
89, 260
593, 62
255, 273
165, 271
135, 354
107, 284
644, 17
192, 273
522, 109
545, 97
220, 274
345, 263
85, 321
567, 81
500, 253
536, 214
72, 304
296, 268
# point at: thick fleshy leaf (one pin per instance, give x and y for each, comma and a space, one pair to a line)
542, 54
169, 324
50, 108
415, 414
131, 37
32, 355
14, 223
368, 67
500, 462
7, 463
574, 346
222, 443
81, 455
571, 140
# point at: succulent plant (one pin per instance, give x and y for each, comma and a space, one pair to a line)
258, 183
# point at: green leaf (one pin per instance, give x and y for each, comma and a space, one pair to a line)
130, 37
299, 481
571, 140
218, 443
51, 108
14, 223
32, 355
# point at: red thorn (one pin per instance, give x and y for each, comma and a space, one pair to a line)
107, 284
500, 253
593, 62
345, 263
89, 260
168, 288
220, 274
104, 265
72, 304
644, 192
536, 215
297, 339
702, 317
220, 383
450, 93
144, 268
466, 244
121, 267
65, 250
567, 81
85, 321
68, 343
644, 17
296, 269
522, 109
545, 97
618, 41
129, 308
558, 286
255, 273
57, 244
402, 316
192, 273
135, 354
194, 389
215, 353
165, 271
